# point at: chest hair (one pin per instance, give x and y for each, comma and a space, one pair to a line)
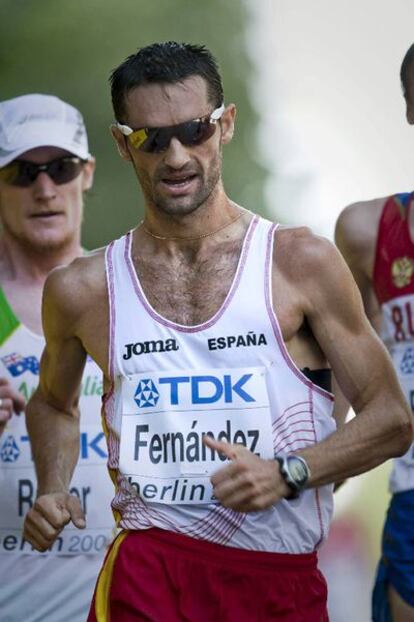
190, 287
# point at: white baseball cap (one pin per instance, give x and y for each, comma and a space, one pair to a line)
31, 121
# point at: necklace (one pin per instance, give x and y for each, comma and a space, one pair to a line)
198, 237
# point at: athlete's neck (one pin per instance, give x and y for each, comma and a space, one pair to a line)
22, 263
215, 214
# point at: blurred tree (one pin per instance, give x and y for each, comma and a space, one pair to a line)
69, 49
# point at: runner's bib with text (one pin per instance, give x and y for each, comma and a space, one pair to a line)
20, 353
398, 336
165, 416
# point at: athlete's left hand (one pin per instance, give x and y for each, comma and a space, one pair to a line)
249, 483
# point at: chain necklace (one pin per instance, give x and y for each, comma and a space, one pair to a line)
198, 237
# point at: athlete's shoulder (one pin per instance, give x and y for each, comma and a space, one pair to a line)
301, 239
314, 271
357, 224
300, 252
84, 271
72, 288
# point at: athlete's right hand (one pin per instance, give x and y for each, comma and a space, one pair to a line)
10, 401
48, 516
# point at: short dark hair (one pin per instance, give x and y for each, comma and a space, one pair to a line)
406, 65
166, 62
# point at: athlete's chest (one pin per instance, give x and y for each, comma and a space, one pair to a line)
189, 289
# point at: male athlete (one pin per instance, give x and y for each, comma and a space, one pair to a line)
376, 239
45, 167
202, 319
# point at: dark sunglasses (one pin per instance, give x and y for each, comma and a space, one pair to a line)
23, 173
157, 139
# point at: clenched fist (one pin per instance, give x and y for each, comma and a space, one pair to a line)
48, 516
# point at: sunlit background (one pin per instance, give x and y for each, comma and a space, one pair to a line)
332, 119
321, 123
332, 130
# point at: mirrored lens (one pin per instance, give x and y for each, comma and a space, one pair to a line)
189, 134
195, 132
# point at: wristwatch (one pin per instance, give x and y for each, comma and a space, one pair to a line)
295, 472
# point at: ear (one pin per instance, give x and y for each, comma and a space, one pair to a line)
227, 124
120, 141
88, 172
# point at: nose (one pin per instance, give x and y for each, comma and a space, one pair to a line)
44, 188
176, 155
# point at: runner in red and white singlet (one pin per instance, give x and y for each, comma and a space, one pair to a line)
393, 283
222, 450
376, 238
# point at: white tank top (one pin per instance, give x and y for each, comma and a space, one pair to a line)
74, 561
231, 377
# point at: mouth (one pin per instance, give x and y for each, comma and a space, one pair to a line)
178, 185
45, 215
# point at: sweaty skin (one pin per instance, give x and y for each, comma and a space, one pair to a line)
314, 296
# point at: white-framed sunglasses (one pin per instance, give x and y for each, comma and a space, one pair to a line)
157, 139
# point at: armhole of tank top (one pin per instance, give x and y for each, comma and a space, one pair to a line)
379, 240
275, 322
109, 270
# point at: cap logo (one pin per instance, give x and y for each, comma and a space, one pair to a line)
80, 129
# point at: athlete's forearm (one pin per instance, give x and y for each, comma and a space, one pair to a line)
341, 406
54, 437
372, 437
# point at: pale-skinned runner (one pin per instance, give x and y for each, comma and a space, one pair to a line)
45, 169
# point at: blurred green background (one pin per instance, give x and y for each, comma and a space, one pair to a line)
69, 49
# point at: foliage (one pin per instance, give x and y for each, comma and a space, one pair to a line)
69, 49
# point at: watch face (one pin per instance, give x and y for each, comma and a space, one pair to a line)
298, 470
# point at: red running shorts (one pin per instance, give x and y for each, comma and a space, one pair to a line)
160, 576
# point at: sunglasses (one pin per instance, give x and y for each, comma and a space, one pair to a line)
157, 139
23, 173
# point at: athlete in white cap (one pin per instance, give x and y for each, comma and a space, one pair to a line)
45, 168
213, 328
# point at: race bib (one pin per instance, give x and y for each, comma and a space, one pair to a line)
90, 483
165, 416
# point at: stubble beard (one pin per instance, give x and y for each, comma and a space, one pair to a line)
177, 206
41, 245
